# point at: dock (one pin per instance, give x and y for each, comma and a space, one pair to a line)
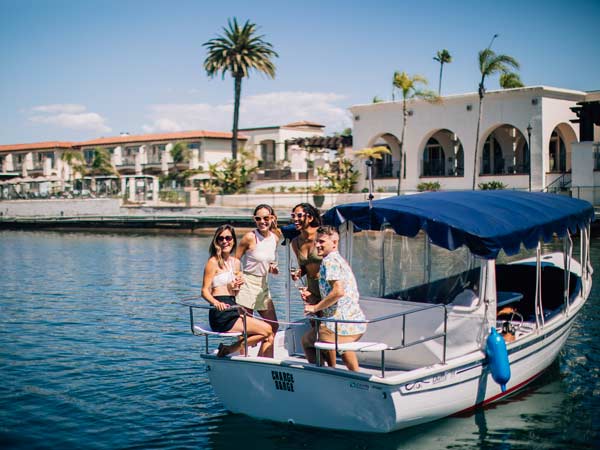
131, 222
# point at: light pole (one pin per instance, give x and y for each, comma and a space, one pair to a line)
529, 153
369, 164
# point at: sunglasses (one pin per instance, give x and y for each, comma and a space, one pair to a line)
224, 239
262, 219
298, 216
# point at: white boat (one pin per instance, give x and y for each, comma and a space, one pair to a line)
430, 303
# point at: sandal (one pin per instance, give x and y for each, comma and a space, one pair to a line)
222, 351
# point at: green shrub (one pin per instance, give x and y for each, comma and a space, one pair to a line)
429, 186
491, 185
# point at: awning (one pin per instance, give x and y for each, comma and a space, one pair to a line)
485, 221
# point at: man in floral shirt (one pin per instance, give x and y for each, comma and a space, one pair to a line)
339, 300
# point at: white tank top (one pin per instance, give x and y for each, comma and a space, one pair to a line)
263, 253
225, 277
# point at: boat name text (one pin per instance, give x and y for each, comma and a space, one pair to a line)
284, 381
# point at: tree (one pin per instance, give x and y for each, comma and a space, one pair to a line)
370, 154
238, 51
101, 163
180, 153
489, 64
232, 175
510, 80
409, 87
376, 99
76, 162
443, 57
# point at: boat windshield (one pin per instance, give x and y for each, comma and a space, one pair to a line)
399, 267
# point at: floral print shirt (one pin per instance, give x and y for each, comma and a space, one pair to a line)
335, 268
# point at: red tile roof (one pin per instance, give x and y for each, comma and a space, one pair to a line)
35, 146
159, 137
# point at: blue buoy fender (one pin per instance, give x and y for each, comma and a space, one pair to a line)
498, 358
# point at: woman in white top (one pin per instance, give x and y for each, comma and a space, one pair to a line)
219, 287
259, 250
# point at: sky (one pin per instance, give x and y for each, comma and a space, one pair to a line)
80, 69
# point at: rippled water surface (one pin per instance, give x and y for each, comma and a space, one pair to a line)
95, 352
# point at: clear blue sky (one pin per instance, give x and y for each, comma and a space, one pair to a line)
80, 69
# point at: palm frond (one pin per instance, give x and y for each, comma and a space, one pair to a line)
373, 152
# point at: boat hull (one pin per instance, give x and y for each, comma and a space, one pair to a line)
337, 399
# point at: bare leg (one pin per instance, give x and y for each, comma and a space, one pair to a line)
271, 316
258, 331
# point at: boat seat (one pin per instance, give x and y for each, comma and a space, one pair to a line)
202, 328
357, 346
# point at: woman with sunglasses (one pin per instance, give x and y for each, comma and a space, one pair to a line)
219, 287
306, 219
258, 248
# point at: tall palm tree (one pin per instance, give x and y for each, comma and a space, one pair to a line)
489, 64
443, 57
238, 51
510, 80
410, 88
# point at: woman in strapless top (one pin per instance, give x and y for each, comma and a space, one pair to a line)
306, 219
220, 285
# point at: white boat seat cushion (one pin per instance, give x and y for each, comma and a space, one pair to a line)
353, 346
202, 328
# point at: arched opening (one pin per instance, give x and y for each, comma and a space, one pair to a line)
559, 148
267, 154
505, 152
389, 165
443, 155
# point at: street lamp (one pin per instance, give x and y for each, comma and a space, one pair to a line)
369, 164
529, 153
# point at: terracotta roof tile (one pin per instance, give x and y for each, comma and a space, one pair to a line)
159, 137
35, 146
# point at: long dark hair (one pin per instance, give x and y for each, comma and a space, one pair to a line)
215, 250
310, 209
273, 226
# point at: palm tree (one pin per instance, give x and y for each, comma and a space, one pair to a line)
489, 64
75, 160
101, 164
510, 80
409, 87
443, 57
369, 154
238, 51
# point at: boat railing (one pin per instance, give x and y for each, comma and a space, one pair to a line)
205, 330
403, 344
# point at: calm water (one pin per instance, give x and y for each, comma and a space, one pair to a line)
95, 352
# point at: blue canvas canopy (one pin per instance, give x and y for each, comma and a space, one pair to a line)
485, 221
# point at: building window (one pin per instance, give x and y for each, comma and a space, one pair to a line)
492, 161
88, 155
557, 154
434, 159
194, 145
597, 156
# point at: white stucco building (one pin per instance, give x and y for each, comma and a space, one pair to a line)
440, 139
